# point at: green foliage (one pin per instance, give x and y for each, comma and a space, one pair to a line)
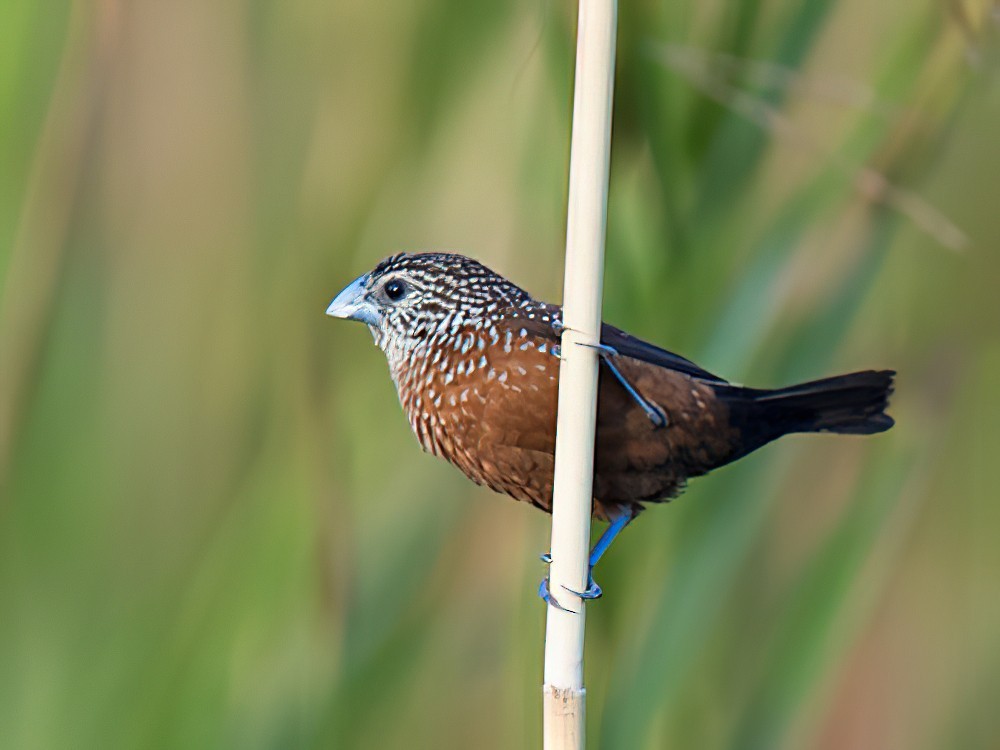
215, 528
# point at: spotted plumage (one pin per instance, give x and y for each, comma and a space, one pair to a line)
475, 360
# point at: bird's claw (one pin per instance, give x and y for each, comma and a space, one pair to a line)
593, 591
602, 349
546, 596
543, 588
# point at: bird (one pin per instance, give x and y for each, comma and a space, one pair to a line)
475, 362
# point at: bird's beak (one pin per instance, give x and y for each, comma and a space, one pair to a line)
351, 303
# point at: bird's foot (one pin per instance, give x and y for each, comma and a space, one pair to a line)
543, 588
593, 591
604, 350
545, 595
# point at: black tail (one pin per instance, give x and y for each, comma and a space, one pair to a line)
850, 404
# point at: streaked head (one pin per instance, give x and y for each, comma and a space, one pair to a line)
410, 296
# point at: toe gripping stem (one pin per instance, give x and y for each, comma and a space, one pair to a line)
607, 353
593, 591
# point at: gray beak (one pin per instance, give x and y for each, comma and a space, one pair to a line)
351, 303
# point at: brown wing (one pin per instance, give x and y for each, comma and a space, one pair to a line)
634, 461
637, 462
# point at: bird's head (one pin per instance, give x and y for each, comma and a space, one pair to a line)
410, 297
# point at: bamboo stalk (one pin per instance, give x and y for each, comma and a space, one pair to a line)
563, 691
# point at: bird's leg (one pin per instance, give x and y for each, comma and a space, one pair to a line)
655, 413
614, 529
593, 591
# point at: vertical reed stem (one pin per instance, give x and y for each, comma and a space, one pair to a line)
564, 694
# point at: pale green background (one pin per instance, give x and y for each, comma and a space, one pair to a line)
216, 530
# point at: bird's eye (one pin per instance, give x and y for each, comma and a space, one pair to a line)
395, 290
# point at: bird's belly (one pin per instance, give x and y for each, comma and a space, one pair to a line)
491, 413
